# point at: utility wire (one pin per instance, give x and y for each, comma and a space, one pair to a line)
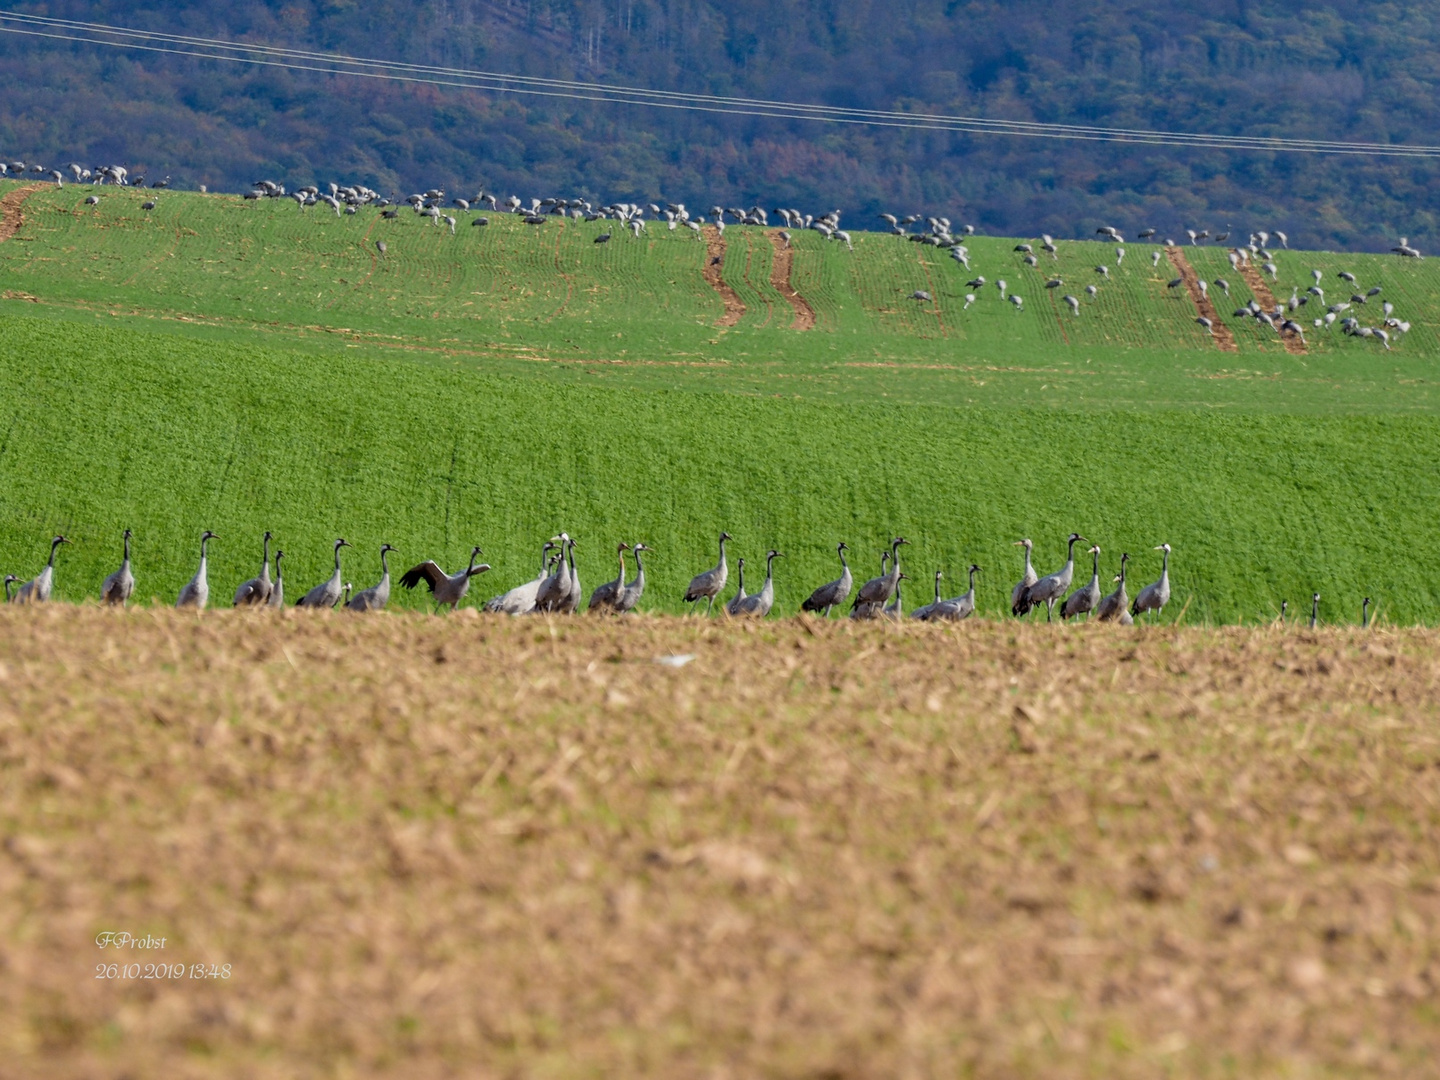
500, 82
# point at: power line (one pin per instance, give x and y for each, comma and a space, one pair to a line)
500, 82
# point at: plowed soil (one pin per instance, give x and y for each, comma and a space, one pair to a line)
455, 846
1256, 281
715, 249
780, 279
1224, 338
11, 217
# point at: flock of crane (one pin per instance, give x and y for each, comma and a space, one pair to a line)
557, 589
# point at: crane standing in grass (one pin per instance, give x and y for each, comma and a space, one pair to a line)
709, 584
447, 589
833, 593
41, 587
118, 587
196, 592
1156, 595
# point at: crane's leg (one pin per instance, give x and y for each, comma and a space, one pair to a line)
709, 603
827, 610
1049, 610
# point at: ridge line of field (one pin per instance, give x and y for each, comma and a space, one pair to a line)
780, 281
714, 275
1224, 337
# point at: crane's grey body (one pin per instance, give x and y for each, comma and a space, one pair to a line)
758, 605
119, 586
449, 589
1051, 587
895, 610
871, 609
708, 585
378, 595
606, 597
39, 589
256, 591
1085, 598
1114, 605
521, 599
636, 589
1156, 595
832, 593
328, 593
1017, 595
277, 591
196, 592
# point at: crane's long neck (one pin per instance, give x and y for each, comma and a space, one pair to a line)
470, 568
54, 547
841, 552
895, 558
937, 586
1029, 569
769, 568
278, 556
204, 543
740, 577
126, 560
972, 579
1070, 556
1165, 567
621, 554
545, 558
1096, 570
265, 556
639, 566
337, 559
722, 551
571, 547
384, 565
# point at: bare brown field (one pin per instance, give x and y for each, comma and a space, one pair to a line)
460, 847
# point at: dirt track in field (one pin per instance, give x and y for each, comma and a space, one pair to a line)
11, 207
1293, 344
714, 274
780, 268
462, 846
1224, 338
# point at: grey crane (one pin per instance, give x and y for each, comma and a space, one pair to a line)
603, 238
555, 589
834, 592
521, 599
758, 605
879, 589
636, 589
708, 585
895, 610
1112, 606
277, 591
196, 592
571, 603
378, 595
39, 589
447, 589
921, 295
923, 613
733, 607
1156, 595
1086, 598
871, 609
380, 247
1052, 587
10, 579
1314, 610
605, 597
119, 586
327, 594
256, 591
1028, 578
958, 607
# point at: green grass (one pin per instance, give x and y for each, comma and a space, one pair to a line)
241, 366
107, 428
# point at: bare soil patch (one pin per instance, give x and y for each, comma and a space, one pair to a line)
11, 203
815, 849
1262, 293
1224, 338
715, 249
780, 280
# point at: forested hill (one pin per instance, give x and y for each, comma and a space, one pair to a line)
1347, 70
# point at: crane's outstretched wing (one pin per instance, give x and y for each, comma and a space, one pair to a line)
426, 571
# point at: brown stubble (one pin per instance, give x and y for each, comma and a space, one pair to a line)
445, 846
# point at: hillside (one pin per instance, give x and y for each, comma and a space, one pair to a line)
1343, 71
244, 367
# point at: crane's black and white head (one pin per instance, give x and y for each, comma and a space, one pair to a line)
842, 546
387, 547
726, 536
267, 537
1076, 538
339, 543
974, 569
57, 541
773, 554
1163, 547
1027, 544
125, 535
639, 546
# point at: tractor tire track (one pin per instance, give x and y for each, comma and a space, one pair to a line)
769, 307
780, 281
712, 270
11, 217
1224, 338
1293, 345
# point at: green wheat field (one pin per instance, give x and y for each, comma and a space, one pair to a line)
240, 366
